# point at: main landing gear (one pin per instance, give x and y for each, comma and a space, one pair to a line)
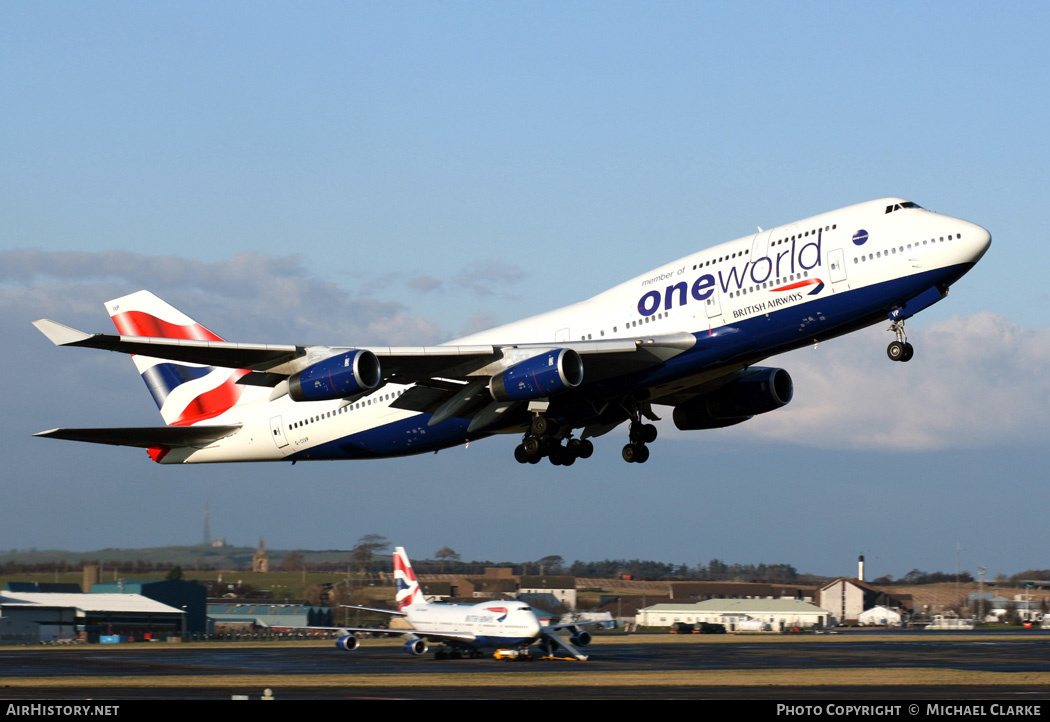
641, 434
544, 438
899, 350
447, 652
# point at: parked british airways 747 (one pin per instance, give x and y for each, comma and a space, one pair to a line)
685, 335
509, 626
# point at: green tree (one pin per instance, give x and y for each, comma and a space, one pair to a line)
364, 553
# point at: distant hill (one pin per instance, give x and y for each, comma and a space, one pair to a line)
188, 557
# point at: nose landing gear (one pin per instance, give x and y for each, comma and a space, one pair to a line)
899, 350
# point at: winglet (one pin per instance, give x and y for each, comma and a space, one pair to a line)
58, 334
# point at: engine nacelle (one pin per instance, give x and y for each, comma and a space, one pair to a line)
548, 373
581, 638
416, 647
336, 377
347, 643
758, 391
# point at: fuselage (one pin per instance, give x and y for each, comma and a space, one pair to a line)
491, 624
742, 301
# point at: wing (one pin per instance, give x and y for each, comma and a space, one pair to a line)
605, 623
278, 360
432, 636
401, 364
150, 437
483, 383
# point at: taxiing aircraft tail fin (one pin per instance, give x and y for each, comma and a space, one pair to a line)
408, 590
185, 393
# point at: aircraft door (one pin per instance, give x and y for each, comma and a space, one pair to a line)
760, 245
836, 265
277, 432
713, 305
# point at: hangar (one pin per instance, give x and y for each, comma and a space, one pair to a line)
738, 614
60, 617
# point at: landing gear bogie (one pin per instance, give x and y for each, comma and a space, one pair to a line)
582, 448
640, 434
635, 453
548, 438
643, 433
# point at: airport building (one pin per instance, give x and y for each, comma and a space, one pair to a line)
189, 597
63, 617
847, 599
880, 616
739, 614
561, 589
699, 591
130, 609
249, 616
548, 591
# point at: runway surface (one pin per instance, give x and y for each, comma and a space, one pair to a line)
647, 666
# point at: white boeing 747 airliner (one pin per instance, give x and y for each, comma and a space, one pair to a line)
685, 335
504, 625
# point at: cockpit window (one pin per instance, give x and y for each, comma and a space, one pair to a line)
900, 206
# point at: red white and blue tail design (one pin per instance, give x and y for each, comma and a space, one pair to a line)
408, 591
185, 393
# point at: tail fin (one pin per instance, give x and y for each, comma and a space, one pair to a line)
185, 393
408, 591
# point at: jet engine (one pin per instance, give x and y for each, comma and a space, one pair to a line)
581, 638
416, 647
347, 643
548, 373
336, 377
757, 391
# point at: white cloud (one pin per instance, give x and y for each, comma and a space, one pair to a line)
487, 278
249, 297
975, 381
424, 283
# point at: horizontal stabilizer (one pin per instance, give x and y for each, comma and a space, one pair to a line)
147, 437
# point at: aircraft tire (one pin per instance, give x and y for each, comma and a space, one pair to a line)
895, 351
556, 454
909, 351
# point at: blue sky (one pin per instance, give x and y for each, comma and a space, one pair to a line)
404, 173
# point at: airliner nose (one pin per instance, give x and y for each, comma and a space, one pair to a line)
980, 239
